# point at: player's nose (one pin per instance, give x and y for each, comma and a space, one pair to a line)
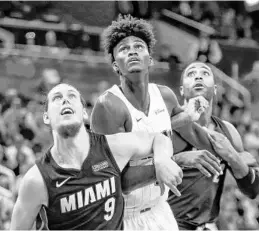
198, 77
65, 101
132, 52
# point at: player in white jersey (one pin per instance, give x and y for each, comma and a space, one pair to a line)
139, 105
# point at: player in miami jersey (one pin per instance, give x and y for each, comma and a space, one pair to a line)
137, 105
77, 183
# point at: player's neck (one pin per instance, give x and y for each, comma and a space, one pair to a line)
136, 90
205, 118
71, 152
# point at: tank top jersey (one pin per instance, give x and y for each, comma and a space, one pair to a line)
200, 199
86, 199
158, 120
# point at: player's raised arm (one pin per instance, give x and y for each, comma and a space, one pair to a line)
108, 115
32, 195
136, 145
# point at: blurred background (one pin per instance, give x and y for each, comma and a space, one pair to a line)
44, 43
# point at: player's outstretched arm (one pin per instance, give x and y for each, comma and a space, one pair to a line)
242, 164
32, 195
137, 145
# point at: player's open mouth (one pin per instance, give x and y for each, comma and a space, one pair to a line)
132, 60
67, 111
198, 86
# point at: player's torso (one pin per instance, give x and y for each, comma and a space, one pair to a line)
157, 120
200, 196
86, 199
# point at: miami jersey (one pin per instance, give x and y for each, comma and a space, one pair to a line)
157, 120
86, 199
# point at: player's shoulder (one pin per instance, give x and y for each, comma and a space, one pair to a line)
109, 102
168, 96
33, 177
166, 92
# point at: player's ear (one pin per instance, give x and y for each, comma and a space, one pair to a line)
116, 67
46, 118
215, 89
181, 90
151, 61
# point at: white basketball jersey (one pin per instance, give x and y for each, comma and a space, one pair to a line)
158, 120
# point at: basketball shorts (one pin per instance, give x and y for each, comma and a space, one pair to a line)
159, 217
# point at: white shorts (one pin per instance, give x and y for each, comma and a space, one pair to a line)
159, 217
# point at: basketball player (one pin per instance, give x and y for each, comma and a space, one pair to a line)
201, 188
137, 105
77, 182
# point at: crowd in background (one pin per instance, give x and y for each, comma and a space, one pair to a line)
24, 137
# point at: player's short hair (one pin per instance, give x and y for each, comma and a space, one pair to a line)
46, 101
126, 26
186, 66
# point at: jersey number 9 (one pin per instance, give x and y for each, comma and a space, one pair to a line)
109, 208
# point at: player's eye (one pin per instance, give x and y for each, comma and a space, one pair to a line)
72, 96
206, 73
124, 48
57, 98
139, 46
191, 74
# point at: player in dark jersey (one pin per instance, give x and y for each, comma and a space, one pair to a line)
201, 188
77, 182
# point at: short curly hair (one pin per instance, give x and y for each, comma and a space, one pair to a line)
126, 26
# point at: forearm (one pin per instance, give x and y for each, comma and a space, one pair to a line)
137, 177
195, 135
162, 147
180, 120
238, 167
247, 178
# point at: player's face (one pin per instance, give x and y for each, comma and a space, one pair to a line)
131, 55
198, 79
65, 109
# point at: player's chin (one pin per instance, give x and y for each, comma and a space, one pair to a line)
200, 92
68, 122
135, 69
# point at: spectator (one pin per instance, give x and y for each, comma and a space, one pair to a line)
207, 50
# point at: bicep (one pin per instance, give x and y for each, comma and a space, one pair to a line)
27, 205
103, 121
23, 215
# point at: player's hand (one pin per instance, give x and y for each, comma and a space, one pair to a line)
195, 107
168, 173
203, 160
221, 144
